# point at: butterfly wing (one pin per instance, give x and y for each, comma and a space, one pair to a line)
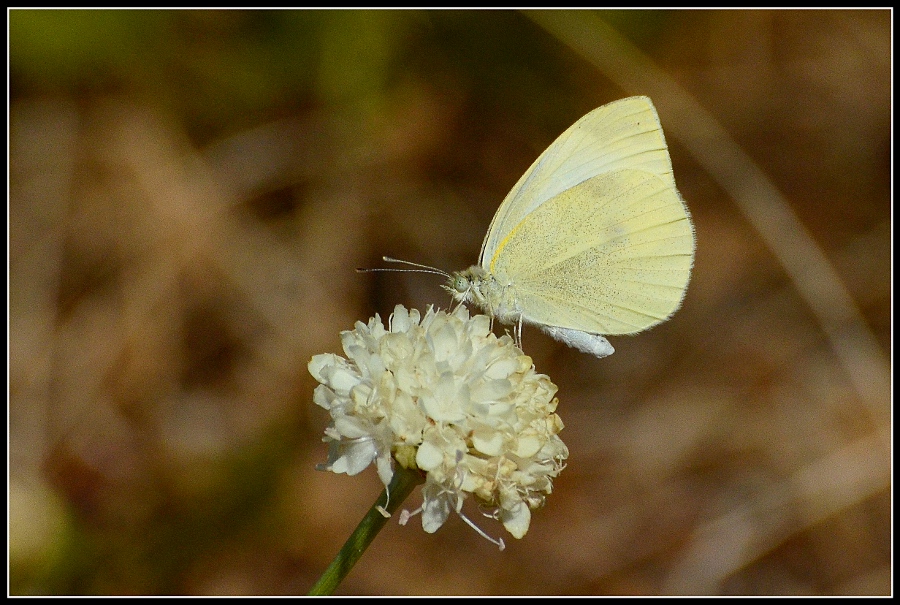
609, 255
618, 135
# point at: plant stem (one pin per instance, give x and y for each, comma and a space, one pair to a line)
402, 484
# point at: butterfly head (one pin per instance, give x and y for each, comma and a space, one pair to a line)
466, 286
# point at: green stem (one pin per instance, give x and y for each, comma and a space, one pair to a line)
401, 486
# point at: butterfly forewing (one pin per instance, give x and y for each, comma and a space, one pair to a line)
611, 255
619, 135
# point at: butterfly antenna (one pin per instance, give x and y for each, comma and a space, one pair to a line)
419, 268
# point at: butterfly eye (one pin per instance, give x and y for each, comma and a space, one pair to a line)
460, 284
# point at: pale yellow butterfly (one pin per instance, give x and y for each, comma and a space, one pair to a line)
593, 240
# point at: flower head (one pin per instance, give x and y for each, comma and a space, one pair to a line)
443, 394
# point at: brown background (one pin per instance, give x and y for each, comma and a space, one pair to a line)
190, 193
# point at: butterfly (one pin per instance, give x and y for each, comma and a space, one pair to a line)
593, 240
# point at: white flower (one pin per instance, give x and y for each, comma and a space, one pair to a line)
443, 394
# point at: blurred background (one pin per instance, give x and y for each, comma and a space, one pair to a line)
191, 192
